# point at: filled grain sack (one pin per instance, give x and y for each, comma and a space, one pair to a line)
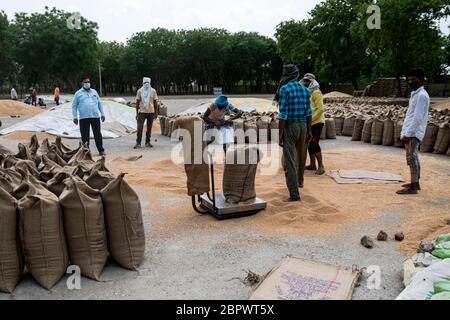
124, 224
429, 140
99, 179
56, 185
82, 154
64, 151
339, 123
26, 166
54, 155
11, 264
24, 153
377, 132
42, 236
240, 173
358, 129
388, 133
166, 126
9, 179
33, 146
397, 134
442, 140
323, 133
162, 124
448, 152
84, 224
349, 125
48, 169
367, 131
9, 161
263, 125
330, 125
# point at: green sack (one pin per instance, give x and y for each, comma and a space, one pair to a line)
441, 286
443, 296
442, 247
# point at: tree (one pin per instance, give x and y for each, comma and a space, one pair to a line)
49, 51
111, 55
6, 45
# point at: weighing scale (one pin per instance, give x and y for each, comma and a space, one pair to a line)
217, 206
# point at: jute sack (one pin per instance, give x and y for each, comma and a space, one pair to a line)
11, 264
84, 224
33, 146
48, 169
429, 140
166, 126
5, 151
82, 154
323, 133
9, 179
162, 124
99, 179
367, 131
349, 125
54, 155
124, 224
330, 125
388, 133
442, 140
397, 134
239, 174
358, 129
339, 122
377, 132
62, 147
27, 166
42, 235
56, 185
24, 153
448, 151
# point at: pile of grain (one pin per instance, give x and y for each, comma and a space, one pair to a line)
16, 108
442, 105
337, 94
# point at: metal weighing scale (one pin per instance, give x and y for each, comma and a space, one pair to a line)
217, 206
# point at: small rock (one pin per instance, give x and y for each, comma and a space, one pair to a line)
400, 237
382, 236
426, 246
367, 242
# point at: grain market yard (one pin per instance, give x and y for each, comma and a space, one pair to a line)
189, 256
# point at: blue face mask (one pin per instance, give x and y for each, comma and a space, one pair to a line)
87, 86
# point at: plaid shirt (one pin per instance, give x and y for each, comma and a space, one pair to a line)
295, 103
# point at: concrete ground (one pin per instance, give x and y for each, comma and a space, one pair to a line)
192, 264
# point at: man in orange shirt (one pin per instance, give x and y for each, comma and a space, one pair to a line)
56, 94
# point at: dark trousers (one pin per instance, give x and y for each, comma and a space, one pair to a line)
314, 146
57, 101
295, 153
142, 117
85, 129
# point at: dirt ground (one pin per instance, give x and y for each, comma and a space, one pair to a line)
190, 256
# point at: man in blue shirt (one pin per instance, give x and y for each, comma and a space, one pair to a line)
87, 111
295, 117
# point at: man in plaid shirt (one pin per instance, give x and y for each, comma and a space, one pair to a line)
295, 119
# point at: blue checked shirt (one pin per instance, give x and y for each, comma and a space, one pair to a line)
295, 103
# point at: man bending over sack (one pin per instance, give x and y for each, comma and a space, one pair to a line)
414, 128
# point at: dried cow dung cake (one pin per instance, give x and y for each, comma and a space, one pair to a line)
85, 229
124, 223
330, 124
42, 236
11, 264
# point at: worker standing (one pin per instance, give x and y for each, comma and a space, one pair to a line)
149, 98
295, 128
34, 97
318, 122
87, 111
414, 128
14, 94
56, 94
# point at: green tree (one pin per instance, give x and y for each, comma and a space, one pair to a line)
111, 55
6, 45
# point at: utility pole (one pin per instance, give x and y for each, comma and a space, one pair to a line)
100, 77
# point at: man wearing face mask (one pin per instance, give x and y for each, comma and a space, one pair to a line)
414, 128
149, 98
87, 112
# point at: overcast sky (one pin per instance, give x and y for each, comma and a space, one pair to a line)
119, 19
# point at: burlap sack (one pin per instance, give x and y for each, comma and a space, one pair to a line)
124, 224
442, 140
26, 166
54, 155
429, 140
64, 151
162, 124
388, 133
397, 134
330, 125
56, 185
377, 132
98, 180
339, 122
82, 154
240, 173
33, 146
9, 179
48, 169
367, 131
358, 129
5, 151
166, 126
24, 153
323, 133
84, 224
448, 152
42, 235
11, 264
349, 125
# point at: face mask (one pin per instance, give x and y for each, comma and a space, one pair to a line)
414, 85
147, 86
87, 86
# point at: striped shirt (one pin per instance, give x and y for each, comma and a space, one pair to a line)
295, 103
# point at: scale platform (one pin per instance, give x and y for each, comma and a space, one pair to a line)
225, 210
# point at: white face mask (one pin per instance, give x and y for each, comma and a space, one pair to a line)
146, 85
87, 86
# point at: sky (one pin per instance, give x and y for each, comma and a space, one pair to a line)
119, 19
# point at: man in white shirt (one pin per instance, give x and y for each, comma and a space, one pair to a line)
14, 94
414, 128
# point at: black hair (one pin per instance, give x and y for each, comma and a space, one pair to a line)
418, 73
84, 78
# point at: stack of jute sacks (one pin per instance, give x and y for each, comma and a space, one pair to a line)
382, 125
59, 207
